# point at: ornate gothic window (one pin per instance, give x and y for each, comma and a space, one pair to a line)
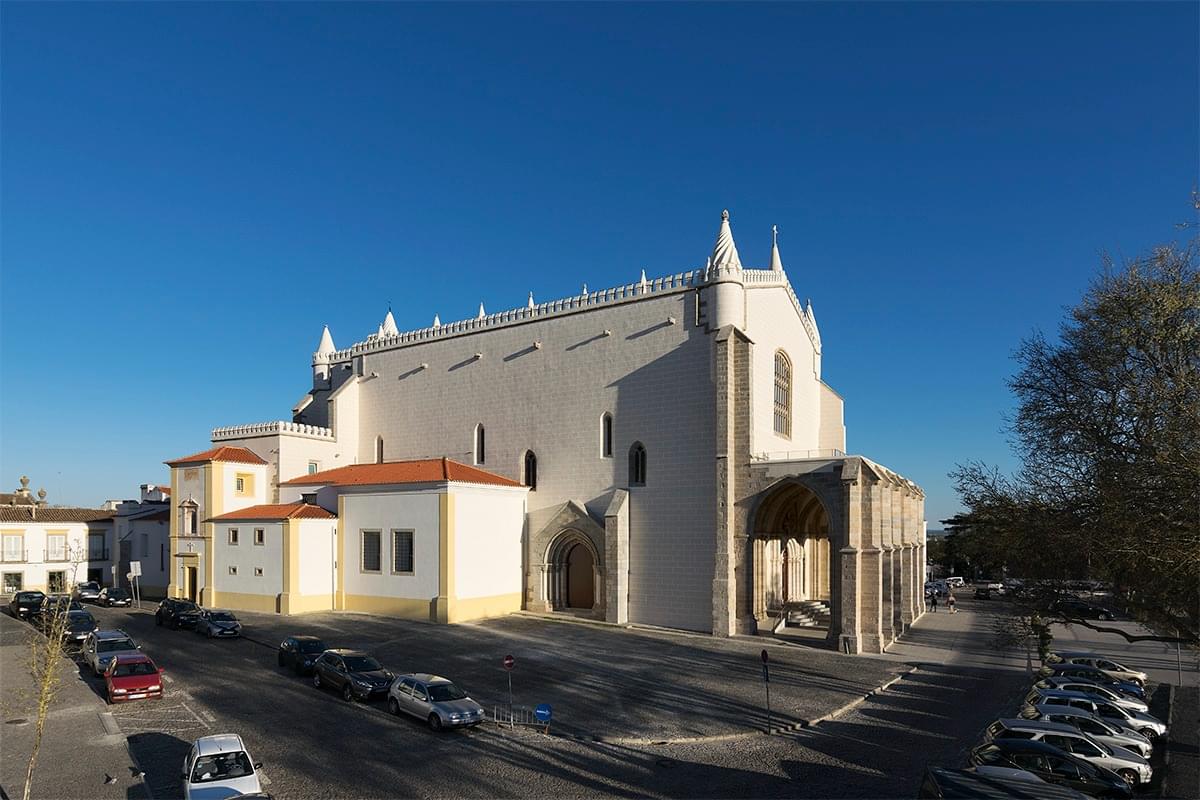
637, 465
530, 470
783, 394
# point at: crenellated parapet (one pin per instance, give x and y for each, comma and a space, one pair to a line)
278, 427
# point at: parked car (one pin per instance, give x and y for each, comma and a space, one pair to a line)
355, 674
1111, 668
434, 699
132, 677
1072, 607
103, 646
219, 767
1131, 766
300, 652
1067, 683
176, 613
54, 604
983, 593
1138, 721
86, 592
990, 782
1092, 673
79, 626
213, 623
114, 596
1099, 729
955, 582
1052, 765
25, 605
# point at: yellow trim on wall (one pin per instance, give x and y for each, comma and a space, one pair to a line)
482, 607
247, 479
307, 603
173, 589
339, 600
291, 566
245, 601
445, 597
400, 607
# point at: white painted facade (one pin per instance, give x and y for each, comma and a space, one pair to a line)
487, 548
34, 551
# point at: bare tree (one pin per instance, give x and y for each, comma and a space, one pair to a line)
1108, 432
45, 664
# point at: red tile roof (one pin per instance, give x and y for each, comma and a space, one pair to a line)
277, 511
428, 470
47, 514
238, 455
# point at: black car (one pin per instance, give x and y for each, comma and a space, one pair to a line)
114, 596
175, 613
355, 674
299, 653
25, 604
52, 605
967, 784
79, 626
88, 590
1081, 610
1052, 765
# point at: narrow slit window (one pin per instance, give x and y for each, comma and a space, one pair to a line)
637, 464
606, 436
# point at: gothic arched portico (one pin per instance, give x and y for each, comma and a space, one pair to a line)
791, 549
573, 578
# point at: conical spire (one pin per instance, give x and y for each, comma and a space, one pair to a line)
388, 328
725, 254
437, 321
482, 313
326, 347
642, 282
808, 310
530, 303
776, 261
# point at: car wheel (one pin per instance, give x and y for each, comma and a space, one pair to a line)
316, 680
1149, 733
1129, 776
435, 722
158, 620
210, 633
393, 706
279, 658
1104, 617
347, 693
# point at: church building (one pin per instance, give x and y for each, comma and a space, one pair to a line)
663, 453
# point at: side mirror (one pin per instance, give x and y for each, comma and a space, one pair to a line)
258, 765
161, 671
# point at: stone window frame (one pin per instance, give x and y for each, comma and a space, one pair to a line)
637, 464
258, 572
233, 537
378, 449
782, 402
260, 536
232, 569
62, 581
412, 548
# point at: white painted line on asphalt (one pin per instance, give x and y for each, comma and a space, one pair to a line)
208, 715
109, 722
141, 772
263, 779
168, 679
194, 714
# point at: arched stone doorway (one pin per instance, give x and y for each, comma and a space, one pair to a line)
791, 550
572, 573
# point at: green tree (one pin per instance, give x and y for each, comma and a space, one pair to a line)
1107, 430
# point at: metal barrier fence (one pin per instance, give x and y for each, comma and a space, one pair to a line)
518, 715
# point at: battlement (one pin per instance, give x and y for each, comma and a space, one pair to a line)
630, 292
277, 428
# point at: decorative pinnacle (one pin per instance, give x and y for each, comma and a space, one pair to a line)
530, 304
725, 215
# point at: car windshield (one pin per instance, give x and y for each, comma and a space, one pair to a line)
312, 647
28, 597
186, 605
117, 594
76, 618
221, 767
136, 668
361, 664
222, 616
445, 692
114, 645
89, 585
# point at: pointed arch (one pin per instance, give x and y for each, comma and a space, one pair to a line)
783, 394
606, 435
529, 470
637, 464
480, 445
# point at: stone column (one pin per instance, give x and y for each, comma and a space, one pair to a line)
871, 574
887, 590
900, 531
731, 379
846, 614
616, 558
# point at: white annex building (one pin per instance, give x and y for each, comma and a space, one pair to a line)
663, 452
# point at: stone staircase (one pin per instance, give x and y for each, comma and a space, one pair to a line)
807, 614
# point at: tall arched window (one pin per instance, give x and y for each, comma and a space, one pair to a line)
378, 449
783, 394
480, 451
606, 438
530, 470
637, 465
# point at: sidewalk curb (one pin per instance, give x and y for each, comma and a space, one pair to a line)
725, 737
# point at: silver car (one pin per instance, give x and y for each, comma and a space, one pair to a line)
1101, 730
1133, 768
1116, 670
434, 699
101, 647
1137, 721
1067, 683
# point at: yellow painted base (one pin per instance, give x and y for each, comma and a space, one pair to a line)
472, 608
243, 601
402, 607
304, 603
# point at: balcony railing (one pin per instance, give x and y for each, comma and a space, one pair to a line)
15, 556
50, 556
796, 455
98, 555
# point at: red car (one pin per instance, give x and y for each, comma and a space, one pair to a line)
132, 677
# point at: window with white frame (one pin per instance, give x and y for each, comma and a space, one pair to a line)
371, 556
232, 570
56, 582
260, 536
402, 552
233, 536
14, 547
56, 547
13, 582
783, 394
314, 467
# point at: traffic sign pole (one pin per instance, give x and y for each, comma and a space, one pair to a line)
509, 662
767, 684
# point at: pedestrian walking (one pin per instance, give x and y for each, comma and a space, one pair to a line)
950, 603
933, 601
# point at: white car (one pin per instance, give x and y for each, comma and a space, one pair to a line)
1101, 730
1117, 670
219, 767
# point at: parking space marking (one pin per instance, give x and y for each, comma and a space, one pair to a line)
199, 718
263, 779
167, 679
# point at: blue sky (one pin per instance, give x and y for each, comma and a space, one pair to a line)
191, 190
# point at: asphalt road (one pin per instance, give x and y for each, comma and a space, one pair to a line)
313, 744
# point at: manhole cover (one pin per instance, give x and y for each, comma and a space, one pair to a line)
18, 721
